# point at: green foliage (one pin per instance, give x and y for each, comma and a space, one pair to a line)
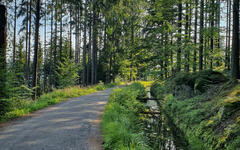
21, 92
121, 123
207, 77
100, 86
4, 107
157, 90
210, 120
187, 85
140, 90
67, 73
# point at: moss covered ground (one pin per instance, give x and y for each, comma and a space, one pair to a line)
210, 117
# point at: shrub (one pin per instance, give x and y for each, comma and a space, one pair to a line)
67, 73
100, 86
157, 90
5, 106
186, 85
203, 79
184, 79
141, 92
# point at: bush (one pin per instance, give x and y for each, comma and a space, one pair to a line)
67, 73
100, 86
186, 85
141, 92
5, 106
184, 79
157, 90
203, 79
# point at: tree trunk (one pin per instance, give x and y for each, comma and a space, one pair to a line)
89, 79
84, 47
55, 45
94, 51
212, 17
70, 33
26, 46
229, 34
29, 42
61, 32
45, 48
51, 50
3, 22
14, 32
35, 68
235, 45
77, 39
201, 35
195, 37
179, 39
187, 39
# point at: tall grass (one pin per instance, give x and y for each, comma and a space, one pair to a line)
20, 108
122, 124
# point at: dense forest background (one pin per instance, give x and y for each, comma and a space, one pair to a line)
49, 44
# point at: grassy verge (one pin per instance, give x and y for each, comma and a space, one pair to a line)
18, 108
146, 83
209, 120
122, 123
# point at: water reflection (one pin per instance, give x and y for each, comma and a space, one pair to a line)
156, 128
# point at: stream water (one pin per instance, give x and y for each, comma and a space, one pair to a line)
157, 130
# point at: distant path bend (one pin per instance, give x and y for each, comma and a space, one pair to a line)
70, 125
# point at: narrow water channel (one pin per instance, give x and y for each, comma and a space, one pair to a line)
157, 129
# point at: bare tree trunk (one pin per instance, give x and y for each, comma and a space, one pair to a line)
45, 48
70, 32
84, 47
229, 34
55, 45
61, 31
77, 39
94, 51
35, 68
29, 42
179, 39
187, 38
14, 32
227, 49
3, 22
235, 45
26, 52
195, 37
212, 17
201, 35
90, 51
51, 50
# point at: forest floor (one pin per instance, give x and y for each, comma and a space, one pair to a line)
72, 125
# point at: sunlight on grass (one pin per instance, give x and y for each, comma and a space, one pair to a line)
23, 107
121, 124
146, 83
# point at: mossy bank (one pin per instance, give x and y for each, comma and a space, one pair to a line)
205, 106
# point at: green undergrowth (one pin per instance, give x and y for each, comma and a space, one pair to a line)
209, 119
122, 122
14, 108
146, 83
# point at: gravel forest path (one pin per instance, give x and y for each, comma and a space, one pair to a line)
70, 125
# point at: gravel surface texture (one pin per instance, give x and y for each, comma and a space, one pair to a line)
70, 125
